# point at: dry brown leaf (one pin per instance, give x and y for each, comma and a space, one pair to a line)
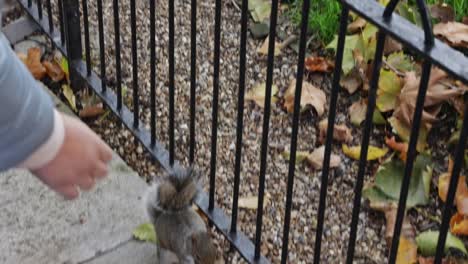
436, 94
459, 224
33, 63
391, 46
91, 111
430, 260
442, 12
315, 159
263, 50
318, 64
461, 195
251, 202
311, 95
357, 25
257, 94
357, 112
54, 71
390, 211
397, 146
352, 81
341, 133
454, 32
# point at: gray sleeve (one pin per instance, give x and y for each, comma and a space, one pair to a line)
26, 110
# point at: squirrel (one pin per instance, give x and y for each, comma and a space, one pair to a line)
179, 228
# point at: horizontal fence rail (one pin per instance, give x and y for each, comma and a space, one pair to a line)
67, 36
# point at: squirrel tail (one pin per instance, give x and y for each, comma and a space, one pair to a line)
173, 192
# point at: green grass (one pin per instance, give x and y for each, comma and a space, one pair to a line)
323, 17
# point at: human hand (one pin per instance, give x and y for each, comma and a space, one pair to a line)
81, 160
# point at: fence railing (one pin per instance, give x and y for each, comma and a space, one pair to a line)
68, 40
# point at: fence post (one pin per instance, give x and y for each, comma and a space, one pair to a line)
71, 15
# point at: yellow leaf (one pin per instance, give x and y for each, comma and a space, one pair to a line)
68, 93
459, 224
373, 152
407, 251
257, 94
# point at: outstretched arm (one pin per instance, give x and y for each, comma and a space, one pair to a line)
60, 150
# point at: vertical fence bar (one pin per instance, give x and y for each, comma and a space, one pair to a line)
426, 72
171, 82
86, 36
73, 39
266, 127
295, 128
459, 155
102, 52
136, 103
331, 122
193, 76
61, 24
240, 115
426, 22
377, 64
49, 12
214, 124
29, 3
118, 68
39, 8
153, 70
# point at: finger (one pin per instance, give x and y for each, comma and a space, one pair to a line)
100, 171
86, 182
105, 152
70, 192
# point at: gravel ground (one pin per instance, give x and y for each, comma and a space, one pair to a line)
370, 247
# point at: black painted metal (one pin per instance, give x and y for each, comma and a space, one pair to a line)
459, 155
389, 24
295, 129
136, 103
86, 35
266, 127
102, 55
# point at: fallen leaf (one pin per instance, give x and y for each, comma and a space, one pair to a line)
311, 95
377, 118
442, 12
400, 61
351, 81
403, 131
91, 111
263, 50
436, 94
357, 112
391, 46
341, 133
259, 9
459, 224
251, 202
316, 158
145, 232
68, 93
389, 177
357, 25
407, 251
454, 32
397, 146
54, 71
318, 64
373, 152
257, 94
64, 66
388, 90
461, 195
33, 63
427, 243
446, 260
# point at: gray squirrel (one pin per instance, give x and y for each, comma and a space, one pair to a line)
179, 229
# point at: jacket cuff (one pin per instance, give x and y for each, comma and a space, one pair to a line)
49, 149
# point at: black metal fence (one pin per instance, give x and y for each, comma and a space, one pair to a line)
67, 38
